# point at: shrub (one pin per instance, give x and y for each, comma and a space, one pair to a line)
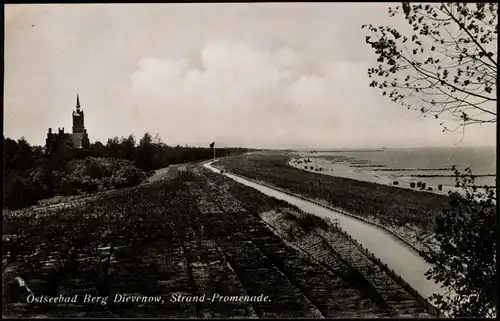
67, 187
93, 168
128, 176
307, 221
465, 261
15, 190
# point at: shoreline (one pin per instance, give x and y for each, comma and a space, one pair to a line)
418, 235
344, 170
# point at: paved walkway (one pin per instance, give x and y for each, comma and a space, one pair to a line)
405, 262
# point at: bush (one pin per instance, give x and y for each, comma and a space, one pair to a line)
78, 176
128, 176
67, 187
32, 175
465, 259
19, 192
93, 168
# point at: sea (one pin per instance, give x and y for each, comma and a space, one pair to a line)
429, 164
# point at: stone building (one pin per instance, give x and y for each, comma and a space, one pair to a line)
78, 139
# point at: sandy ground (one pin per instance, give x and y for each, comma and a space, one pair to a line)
405, 262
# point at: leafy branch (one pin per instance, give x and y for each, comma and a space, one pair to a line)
447, 65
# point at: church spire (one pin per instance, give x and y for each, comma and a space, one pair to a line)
77, 100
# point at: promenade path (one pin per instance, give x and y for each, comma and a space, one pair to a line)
398, 257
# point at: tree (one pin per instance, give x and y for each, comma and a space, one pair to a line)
158, 141
19, 155
127, 147
160, 152
19, 192
113, 147
145, 153
10, 151
97, 149
61, 157
25, 154
465, 262
446, 67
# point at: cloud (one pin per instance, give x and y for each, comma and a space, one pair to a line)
270, 75
240, 93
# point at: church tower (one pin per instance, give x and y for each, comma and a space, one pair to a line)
78, 126
78, 140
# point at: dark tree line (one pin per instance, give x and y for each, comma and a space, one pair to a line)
31, 175
151, 153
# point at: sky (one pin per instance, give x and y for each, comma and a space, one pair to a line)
269, 75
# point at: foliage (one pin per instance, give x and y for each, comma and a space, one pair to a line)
19, 155
99, 174
19, 191
130, 218
446, 63
145, 152
139, 239
152, 153
466, 233
30, 175
310, 222
447, 66
76, 177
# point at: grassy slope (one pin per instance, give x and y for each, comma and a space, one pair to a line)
391, 205
184, 235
